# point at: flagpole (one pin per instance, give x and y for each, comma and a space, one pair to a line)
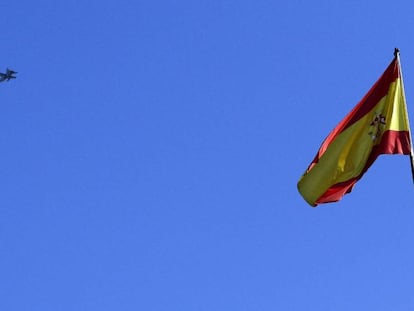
397, 56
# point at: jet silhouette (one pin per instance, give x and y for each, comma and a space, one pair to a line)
8, 75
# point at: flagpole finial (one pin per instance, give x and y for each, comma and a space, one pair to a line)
396, 52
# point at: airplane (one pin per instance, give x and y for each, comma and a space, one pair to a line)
8, 75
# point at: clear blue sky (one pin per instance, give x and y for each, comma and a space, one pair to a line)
150, 152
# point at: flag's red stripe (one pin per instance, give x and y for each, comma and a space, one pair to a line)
392, 142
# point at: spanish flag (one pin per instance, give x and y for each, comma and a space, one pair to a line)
378, 124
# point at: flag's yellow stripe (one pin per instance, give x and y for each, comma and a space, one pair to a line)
395, 108
346, 156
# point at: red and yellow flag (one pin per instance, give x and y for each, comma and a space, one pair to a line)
377, 125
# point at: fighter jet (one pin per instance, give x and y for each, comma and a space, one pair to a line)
8, 75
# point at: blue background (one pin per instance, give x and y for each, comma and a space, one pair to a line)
150, 152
